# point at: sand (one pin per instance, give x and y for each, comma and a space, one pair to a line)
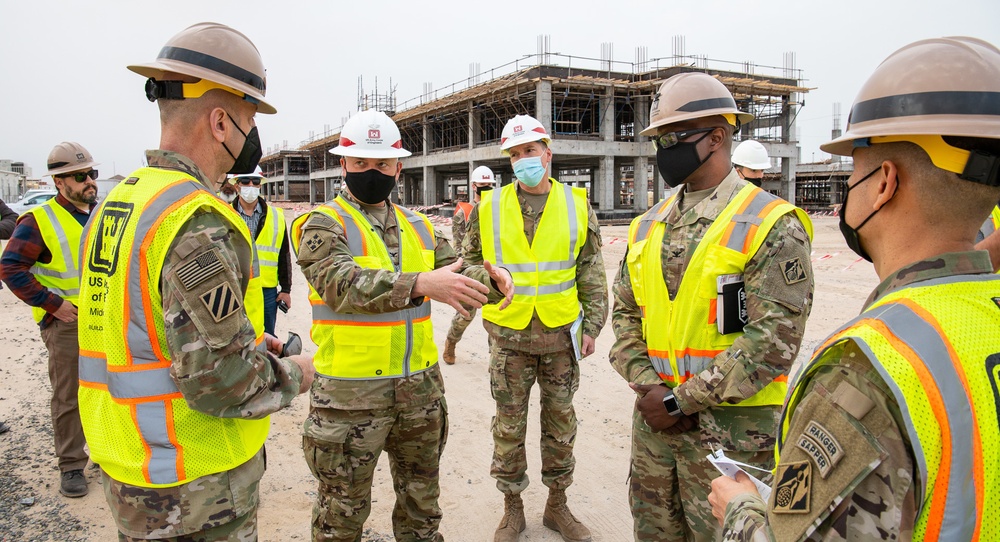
472, 505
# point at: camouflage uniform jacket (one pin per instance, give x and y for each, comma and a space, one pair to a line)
329, 267
458, 227
777, 315
591, 284
217, 369
881, 505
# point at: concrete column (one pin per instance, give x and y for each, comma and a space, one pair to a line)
606, 186
543, 104
473, 126
285, 181
427, 134
640, 184
608, 114
430, 193
788, 163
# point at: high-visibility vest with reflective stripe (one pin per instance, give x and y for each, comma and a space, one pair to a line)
544, 272
374, 346
61, 235
936, 345
464, 208
269, 246
138, 425
682, 336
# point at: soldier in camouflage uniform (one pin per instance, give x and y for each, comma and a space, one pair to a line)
352, 419
858, 461
670, 440
219, 373
519, 357
481, 180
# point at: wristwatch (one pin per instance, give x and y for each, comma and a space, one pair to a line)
670, 403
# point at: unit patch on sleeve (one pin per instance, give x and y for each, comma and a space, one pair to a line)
314, 242
221, 301
793, 271
821, 446
205, 266
793, 488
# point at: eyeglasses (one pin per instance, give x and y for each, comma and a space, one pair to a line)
246, 181
81, 177
669, 139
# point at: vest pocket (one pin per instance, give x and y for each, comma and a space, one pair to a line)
361, 351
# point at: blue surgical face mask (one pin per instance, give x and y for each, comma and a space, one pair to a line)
529, 171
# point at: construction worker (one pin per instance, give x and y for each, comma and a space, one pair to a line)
482, 180
750, 159
267, 227
711, 302
890, 431
372, 267
559, 307
177, 377
41, 267
988, 239
227, 190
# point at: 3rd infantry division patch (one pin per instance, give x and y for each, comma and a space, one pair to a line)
221, 301
793, 488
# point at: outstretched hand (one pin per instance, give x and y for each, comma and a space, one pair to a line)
504, 280
446, 285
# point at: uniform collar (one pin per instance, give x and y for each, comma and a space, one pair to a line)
162, 159
974, 262
709, 208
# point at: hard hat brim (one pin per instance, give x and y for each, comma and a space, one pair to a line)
942, 125
158, 68
652, 129
358, 152
72, 167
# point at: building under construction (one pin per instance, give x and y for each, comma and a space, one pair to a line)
594, 110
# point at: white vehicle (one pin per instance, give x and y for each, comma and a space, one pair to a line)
30, 200
24, 197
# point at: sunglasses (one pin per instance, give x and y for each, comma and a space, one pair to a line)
81, 177
246, 181
669, 139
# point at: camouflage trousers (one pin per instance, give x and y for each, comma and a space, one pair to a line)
342, 448
241, 529
512, 375
670, 481
458, 325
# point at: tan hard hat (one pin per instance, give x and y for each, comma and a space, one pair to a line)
213, 52
69, 156
691, 95
943, 87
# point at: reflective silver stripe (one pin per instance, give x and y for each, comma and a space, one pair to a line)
661, 365
63, 293
268, 263
324, 312
749, 217
127, 384
687, 365
543, 290
72, 273
274, 229
540, 266
573, 224
988, 227
136, 333
270, 250
152, 422
63, 238
418, 223
355, 239
497, 246
648, 219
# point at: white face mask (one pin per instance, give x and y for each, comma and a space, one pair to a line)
228, 197
249, 193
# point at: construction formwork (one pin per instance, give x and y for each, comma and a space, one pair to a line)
594, 110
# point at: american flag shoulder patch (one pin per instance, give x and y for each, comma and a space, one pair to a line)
221, 301
205, 266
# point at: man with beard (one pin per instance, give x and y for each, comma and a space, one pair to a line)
41, 267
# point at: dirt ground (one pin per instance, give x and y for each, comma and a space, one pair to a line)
472, 506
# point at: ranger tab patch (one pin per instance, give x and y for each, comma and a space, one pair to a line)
205, 266
793, 488
793, 271
221, 301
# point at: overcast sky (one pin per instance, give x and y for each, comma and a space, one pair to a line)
64, 77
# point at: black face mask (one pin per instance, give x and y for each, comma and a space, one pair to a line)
754, 181
481, 189
851, 234
370, 186
678, 162
250, 154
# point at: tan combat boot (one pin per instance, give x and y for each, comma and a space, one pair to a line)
512, 522
558, 518
449, 351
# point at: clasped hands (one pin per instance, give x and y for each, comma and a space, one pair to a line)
447, 285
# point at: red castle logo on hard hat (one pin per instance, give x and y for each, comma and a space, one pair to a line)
518, 129
374, 134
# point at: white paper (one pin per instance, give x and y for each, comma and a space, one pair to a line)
729, 467
576, 334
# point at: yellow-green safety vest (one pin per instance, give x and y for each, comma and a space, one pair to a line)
356, 346
682, 336
61, 235
935, 343
544, 272
992, 223
269, 246
138, 425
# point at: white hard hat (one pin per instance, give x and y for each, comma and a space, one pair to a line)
235, 179
370, 134
522, 129
481, 175
751, 154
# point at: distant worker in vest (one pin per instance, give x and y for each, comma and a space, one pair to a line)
227, 191
988, 239
373, 268
41, 267
177, 377
482, 180
267, 227
890, 431
711, 303
750, 159
546, 234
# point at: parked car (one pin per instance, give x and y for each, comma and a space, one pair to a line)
30, 200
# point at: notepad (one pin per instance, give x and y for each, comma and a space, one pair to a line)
731, 306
